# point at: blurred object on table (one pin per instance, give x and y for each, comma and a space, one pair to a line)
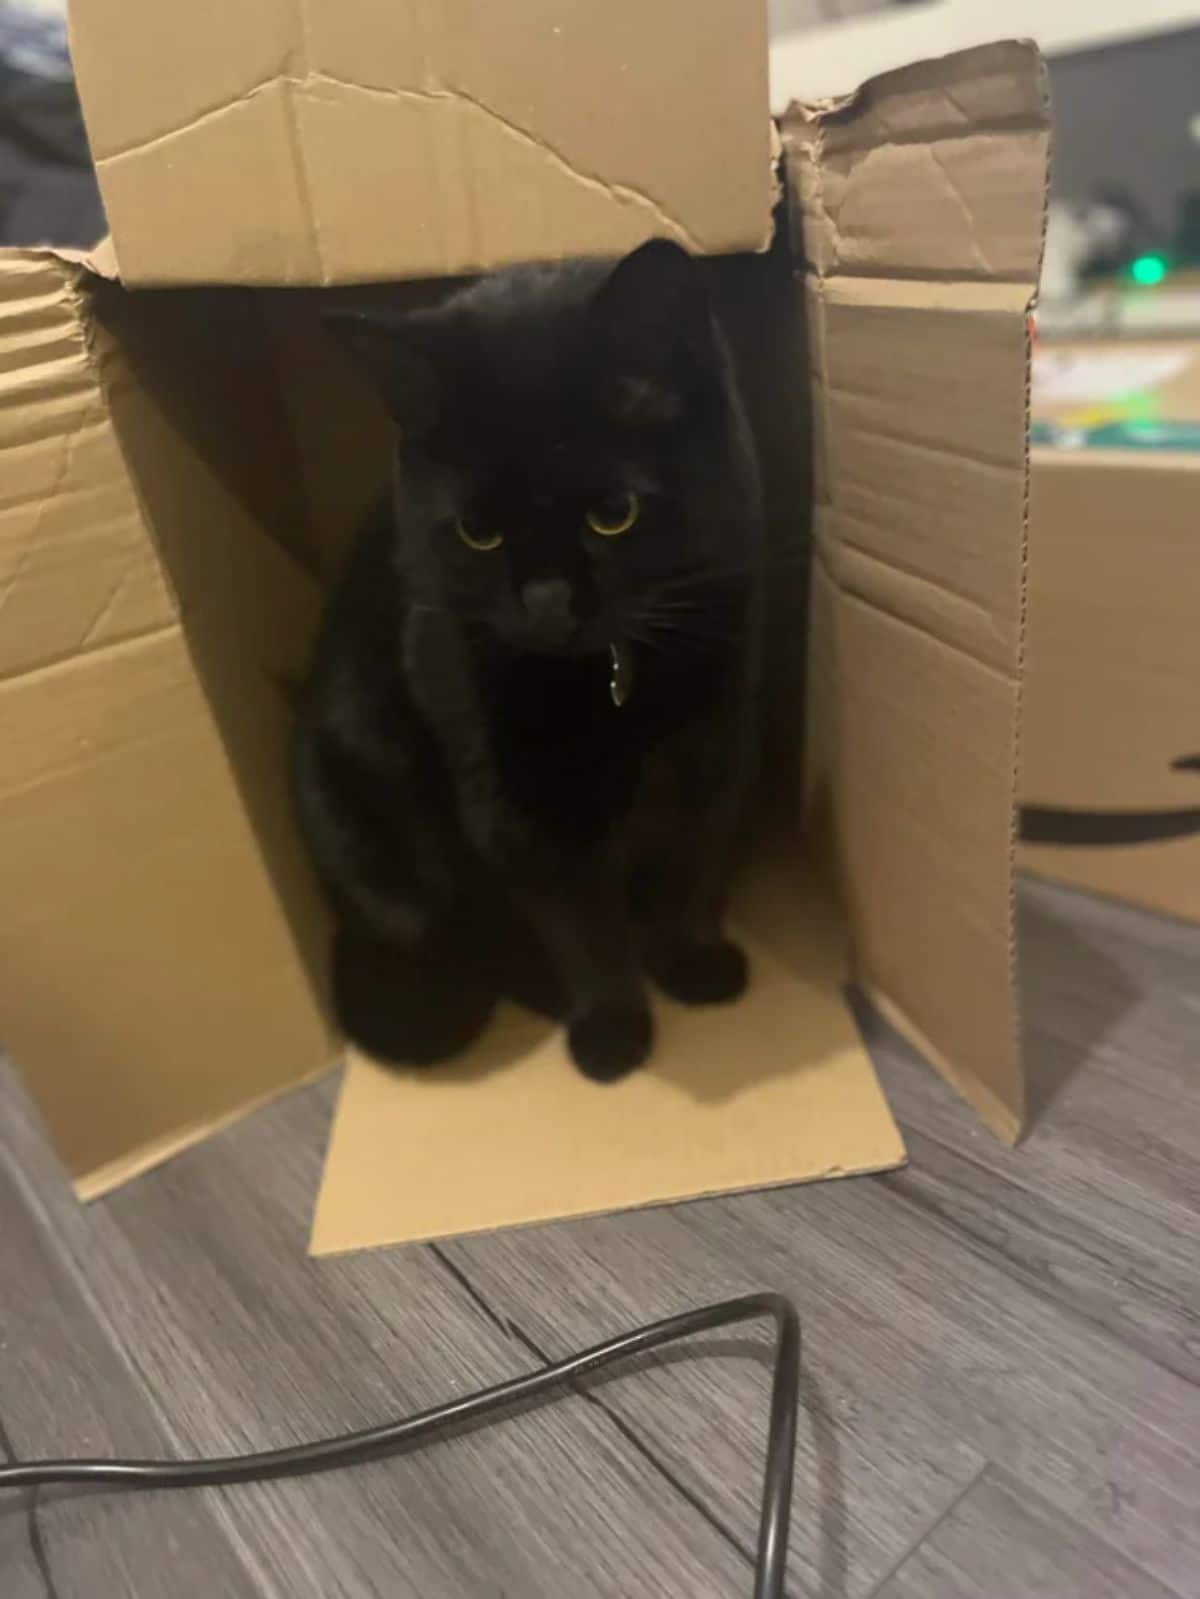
1123, 240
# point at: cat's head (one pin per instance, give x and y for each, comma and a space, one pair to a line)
568, 441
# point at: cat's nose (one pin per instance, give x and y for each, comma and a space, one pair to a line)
547, 603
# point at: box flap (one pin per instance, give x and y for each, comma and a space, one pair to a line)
76, 570
136, 894
932, 172
321, 142
922, 201
135, 905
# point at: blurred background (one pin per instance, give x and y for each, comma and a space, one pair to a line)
47, 192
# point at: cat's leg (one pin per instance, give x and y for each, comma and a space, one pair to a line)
382, 868
687, 951
584, 921
410, 982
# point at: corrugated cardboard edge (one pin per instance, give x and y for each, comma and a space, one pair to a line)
978, 1098
996, 1115
322, 1251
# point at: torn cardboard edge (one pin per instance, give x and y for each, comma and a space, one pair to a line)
101, 259
466, 136
949, 108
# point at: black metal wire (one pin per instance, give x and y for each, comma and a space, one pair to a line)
350, 1448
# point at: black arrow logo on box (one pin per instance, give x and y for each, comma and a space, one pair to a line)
1072, 828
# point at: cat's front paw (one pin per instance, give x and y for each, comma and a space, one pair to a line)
610, 1040
697, 973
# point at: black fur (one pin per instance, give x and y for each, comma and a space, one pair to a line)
473, 796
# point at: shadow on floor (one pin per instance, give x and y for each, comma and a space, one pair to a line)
1073, 997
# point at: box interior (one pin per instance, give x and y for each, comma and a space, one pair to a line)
775, 1089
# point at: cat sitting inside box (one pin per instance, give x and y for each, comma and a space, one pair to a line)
531, 716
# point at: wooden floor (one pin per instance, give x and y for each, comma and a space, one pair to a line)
1002, 1351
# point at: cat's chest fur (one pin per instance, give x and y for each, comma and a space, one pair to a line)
563, 751
542, 740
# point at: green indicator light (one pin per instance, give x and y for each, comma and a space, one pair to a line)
1148, 270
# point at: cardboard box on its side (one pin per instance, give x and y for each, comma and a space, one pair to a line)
1110, 769
181, 468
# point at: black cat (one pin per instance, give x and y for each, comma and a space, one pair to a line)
533, 708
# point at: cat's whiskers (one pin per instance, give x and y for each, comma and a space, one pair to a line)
664, 626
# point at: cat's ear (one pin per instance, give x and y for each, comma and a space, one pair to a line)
653, 332
387, 346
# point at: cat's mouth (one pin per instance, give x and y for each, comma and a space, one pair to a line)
568, 641
570, 648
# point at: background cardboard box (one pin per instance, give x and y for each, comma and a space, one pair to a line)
1110, 774
165, 967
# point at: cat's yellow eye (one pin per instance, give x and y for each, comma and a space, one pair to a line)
614, 516
475, 538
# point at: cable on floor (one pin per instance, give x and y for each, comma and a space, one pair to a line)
371, 1442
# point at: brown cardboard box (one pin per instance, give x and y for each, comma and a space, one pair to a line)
1110, 776
342, 140
171, 506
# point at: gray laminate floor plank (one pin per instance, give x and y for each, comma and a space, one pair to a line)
1036, 1307
64, 1390
871, 1476
1111, 1003
1100, 1203
200, 1274
1000, 1540
1001, 1358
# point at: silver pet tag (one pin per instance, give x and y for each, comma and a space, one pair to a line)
620, 682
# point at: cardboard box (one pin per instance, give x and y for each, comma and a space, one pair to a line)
175, 467
342, 140
1110, 777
